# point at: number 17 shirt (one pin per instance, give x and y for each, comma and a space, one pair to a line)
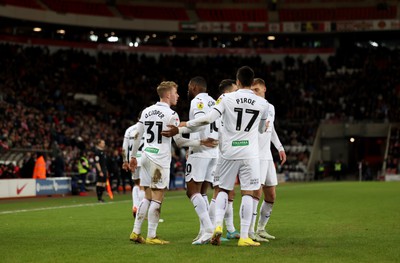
242, 114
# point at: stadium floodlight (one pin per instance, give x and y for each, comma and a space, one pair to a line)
93, 37
373, 43
271, 38
61, 31
112, 39
37, 29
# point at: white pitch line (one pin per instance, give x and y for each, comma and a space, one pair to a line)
68, 206
58, 207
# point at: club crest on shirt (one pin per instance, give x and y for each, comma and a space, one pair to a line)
200, 105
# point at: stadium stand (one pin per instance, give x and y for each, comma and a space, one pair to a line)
153, 12
98, 8
339, 13
23, 3
232, 14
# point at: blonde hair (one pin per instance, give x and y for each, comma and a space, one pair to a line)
164, 87
259, 81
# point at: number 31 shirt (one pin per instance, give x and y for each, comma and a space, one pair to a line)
155, 119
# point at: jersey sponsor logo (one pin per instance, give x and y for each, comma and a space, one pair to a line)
218, 101
211, 103
138, 155
240, 143
151, 150
200, 105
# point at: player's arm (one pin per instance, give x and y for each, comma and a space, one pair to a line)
201, 121
265, 121
278, 145
137, 136
125, 149
173, 130
183, 142
263, 126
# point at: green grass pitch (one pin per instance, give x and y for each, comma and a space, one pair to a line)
313, 222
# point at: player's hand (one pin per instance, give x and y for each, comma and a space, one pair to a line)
209, 142
133, 164
173, 130
282, 156
182, 124
125, 166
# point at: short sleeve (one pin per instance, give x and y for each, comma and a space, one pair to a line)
174, 120
197, 106
219, 104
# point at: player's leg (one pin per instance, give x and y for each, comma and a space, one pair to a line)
232, 233
256, 198
135, 191
140, 216
226, 184
266, 211
144, 205
158, 184
249, 177
196, 170
211, 208
269, 187
204, 188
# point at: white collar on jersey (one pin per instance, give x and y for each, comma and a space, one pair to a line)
159, 103
245, 91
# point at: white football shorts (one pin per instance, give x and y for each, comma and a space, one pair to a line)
200, 169
152, 175
136, 174
248, 171
268, 173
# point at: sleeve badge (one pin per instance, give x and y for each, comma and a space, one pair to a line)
200, 105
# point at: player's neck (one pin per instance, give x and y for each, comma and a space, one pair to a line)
166, 101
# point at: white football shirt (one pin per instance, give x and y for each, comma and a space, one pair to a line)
155, 119
127, 144
241, 111
200, 106
265, 138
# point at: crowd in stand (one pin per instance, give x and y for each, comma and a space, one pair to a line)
38, 109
